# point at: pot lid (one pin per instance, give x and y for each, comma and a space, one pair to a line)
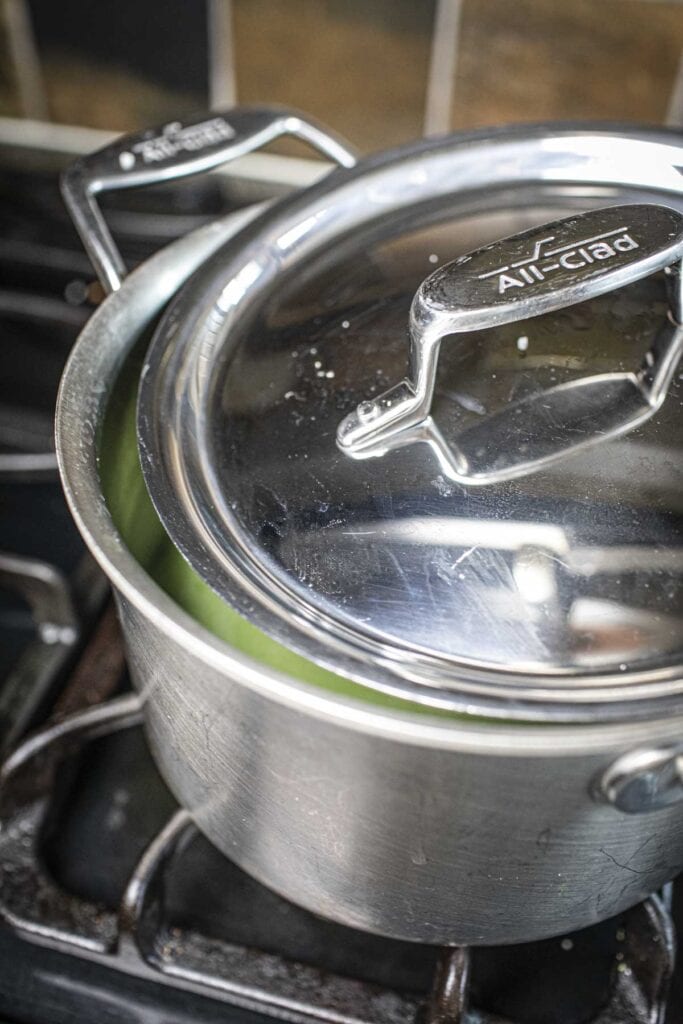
444, 465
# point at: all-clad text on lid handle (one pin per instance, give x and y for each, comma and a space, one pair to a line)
535, 272
176, 150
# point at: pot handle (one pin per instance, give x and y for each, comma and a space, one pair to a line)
535, 272
176, 150
643, 780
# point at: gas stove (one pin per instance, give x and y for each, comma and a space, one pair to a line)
112, 905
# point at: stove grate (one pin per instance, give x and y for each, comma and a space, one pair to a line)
138, 939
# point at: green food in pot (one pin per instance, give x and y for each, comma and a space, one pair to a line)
137, 522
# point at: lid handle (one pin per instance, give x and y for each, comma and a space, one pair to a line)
535, 272
175, 150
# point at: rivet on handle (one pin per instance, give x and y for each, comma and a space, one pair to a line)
643, 780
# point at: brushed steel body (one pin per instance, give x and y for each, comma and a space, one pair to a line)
428, 829
432, 833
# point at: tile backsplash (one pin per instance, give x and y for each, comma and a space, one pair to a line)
362, 66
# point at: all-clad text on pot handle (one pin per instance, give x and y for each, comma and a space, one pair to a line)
172, 151
535, 272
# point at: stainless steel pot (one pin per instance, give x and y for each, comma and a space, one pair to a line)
517, 814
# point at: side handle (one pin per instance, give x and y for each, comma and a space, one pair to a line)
176, 150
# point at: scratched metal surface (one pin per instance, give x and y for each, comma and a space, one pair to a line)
575, 568
392, 568
411, 838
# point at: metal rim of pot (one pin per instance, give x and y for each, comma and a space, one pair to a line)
160, 264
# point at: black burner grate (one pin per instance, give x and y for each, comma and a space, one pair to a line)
156, 924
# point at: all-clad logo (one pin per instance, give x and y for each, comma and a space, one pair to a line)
176, 139
546, 261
